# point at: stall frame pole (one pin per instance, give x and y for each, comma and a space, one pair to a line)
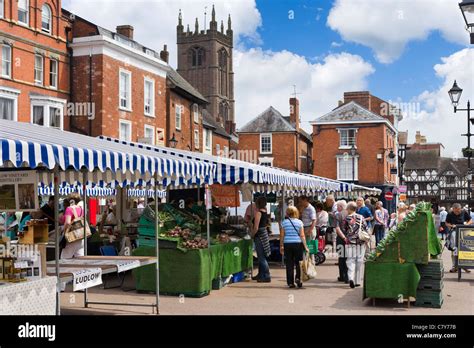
84, 213
282, 217
56, 239
157, 246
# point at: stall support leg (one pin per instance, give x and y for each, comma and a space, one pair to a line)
56, 238
157, 246
282, 218
85, 212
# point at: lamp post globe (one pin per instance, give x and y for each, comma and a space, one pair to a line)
467, 10
455, 94
173, 142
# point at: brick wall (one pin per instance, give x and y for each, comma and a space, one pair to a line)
25, 42
105, 95
221, 141
371, 140
185, 135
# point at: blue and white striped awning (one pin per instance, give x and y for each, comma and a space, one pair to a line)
24, 145
231, 171
150, 193
67, 190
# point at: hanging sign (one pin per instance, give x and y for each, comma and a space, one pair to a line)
18, 191
225, 195
465, 236
402, 189
84, 278
403, 197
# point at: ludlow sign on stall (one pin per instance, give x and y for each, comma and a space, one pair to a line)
225, 195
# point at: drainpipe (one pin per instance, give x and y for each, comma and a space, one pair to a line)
168, 118
90, 90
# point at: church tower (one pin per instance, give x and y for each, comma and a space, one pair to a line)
205, 61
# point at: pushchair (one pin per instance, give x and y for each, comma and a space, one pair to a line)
316, 246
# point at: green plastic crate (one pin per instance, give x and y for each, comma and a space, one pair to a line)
430, 284
433, 270
429, 298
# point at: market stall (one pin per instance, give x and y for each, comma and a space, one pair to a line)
393, 270
189, 264
50, 156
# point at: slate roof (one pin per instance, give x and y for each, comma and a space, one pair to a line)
183, 85
349, 112
270, 121
209, 122
421, 159
459, 166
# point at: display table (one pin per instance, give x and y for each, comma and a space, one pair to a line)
390, 280
108, 264
191, 273
37, 296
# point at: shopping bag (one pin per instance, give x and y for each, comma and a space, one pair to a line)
308, 269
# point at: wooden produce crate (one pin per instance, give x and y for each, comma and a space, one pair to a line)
36, 233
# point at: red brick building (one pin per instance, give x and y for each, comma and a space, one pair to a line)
34, 76
366, 122
136, 94
277, 140
125, 82
216, 140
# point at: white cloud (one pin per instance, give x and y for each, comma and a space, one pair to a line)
155, 21
265, 78
387, 26
434, 115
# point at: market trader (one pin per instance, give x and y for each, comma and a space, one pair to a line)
457, 217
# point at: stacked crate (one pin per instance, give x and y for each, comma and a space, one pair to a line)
430, 288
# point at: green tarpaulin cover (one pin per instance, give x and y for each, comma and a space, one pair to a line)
391, 270
191, 273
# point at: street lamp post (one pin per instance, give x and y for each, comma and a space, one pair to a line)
455, 95
173, 142
467, 10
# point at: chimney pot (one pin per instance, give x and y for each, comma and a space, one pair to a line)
125, 30
164, 54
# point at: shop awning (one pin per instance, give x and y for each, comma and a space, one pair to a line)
233, 171
24, 145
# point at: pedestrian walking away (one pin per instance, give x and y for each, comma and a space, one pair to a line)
292, 245
355, 248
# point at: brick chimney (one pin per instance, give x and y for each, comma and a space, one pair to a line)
164, 54
362, 98
125, 30
295, 112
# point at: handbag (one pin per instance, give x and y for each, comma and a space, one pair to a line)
363, 235
75, 230
308, 269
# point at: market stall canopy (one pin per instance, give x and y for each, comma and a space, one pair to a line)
150, 193
24, 145
66, 190
232, 171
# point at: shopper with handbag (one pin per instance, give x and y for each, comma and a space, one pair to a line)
74, 230
292, 245
261, 240
354, 228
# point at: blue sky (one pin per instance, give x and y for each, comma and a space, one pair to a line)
308, 35
409, 51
